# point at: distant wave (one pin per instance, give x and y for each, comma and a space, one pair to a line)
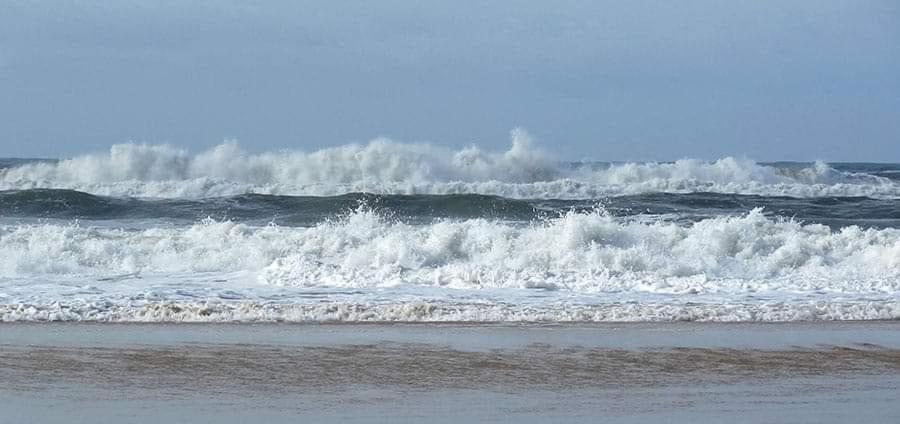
382, 166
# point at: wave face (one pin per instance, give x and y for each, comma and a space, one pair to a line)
304, 211
388, 231
385, 167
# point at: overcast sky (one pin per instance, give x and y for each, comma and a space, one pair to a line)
622, 80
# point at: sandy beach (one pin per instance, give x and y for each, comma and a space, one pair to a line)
799, 372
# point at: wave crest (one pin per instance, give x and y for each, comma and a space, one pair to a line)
387, 167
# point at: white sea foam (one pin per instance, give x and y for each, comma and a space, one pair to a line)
445, 312
383, 166
725, 260
582, 252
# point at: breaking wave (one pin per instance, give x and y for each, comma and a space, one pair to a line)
367, 266
583, 253
387, 167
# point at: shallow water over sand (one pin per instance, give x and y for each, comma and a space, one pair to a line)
445, 373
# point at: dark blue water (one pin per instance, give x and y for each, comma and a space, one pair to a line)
310, 210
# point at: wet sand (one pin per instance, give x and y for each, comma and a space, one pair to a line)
807, 372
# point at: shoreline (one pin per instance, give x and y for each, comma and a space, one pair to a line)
424, 311
462, 335
407, 372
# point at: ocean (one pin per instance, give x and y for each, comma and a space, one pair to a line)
387, 231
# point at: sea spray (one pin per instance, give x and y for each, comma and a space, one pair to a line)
583, 252
387, 167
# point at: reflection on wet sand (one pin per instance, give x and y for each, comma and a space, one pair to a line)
239, 367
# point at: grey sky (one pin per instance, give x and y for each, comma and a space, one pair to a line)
625, 80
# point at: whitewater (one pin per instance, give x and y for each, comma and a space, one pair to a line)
388, 231
386, 167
